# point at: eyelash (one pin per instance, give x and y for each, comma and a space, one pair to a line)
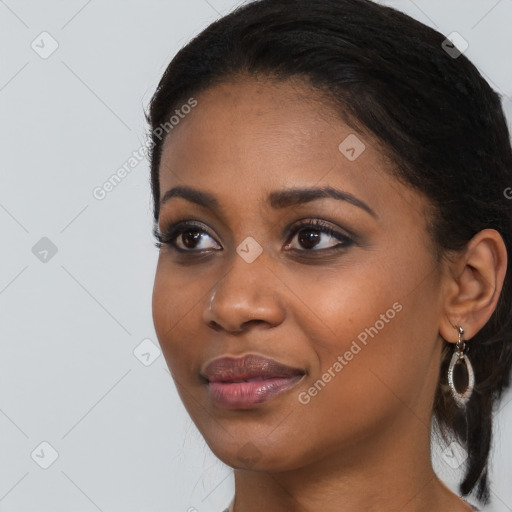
170, 234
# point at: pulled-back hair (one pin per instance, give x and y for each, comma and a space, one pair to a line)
436, 118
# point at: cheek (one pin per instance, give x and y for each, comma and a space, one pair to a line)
380, 318
176, 304
164, 302
380, 347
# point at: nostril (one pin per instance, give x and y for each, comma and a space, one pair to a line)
214, 325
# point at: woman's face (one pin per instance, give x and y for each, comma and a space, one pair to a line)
354, 313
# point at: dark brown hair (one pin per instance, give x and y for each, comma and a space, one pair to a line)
436, 117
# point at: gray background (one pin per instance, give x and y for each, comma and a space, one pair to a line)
72, 320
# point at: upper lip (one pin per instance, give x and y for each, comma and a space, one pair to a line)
229, 369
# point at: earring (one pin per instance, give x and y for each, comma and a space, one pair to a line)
459, 357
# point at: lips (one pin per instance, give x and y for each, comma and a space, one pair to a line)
245, 382
248, 368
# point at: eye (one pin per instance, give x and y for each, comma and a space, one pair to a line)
186, 236
191, 236
316, 235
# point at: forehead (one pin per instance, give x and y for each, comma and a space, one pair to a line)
250, 137
268, 118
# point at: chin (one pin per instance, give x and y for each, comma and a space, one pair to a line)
240, 452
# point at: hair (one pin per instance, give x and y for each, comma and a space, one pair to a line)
437, 119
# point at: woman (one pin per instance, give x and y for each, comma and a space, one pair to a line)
329, 181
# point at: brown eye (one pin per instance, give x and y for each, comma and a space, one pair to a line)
186, 237
317, 236
189, 238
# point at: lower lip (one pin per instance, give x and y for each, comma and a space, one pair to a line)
245, 395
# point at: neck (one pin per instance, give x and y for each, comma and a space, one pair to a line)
389, 473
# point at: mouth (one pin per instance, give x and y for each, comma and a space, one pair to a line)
249, 381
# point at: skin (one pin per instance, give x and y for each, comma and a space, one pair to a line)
362, 443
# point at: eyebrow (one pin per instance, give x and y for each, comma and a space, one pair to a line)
278, 199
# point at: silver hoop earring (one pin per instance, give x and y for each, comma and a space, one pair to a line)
459, 356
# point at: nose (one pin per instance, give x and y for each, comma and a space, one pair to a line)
245, 294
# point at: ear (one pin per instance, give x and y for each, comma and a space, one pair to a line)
472, 285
